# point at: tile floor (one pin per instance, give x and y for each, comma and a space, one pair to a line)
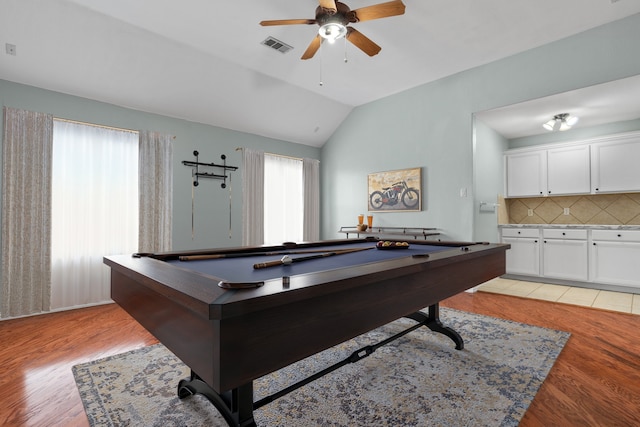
607, 300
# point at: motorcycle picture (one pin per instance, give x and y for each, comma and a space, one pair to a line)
398, 192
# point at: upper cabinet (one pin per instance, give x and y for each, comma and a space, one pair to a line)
615, 165
526, 173
554, 171
568, 170
603, 165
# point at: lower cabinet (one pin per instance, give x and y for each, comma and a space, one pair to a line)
598, 256
524, 256
565, 254
614, 257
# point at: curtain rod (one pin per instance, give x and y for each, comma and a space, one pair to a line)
100, 126
276, 155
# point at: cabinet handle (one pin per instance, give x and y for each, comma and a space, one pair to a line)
564, 234
619, 235
594, 243
597, 189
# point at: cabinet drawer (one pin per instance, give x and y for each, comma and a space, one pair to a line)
616, 235
558, 233
520, 232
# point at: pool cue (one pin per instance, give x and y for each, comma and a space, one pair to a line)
287, 260
248, 254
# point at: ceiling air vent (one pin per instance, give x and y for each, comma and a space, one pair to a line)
277, 45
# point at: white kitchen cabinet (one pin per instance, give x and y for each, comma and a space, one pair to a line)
568, 170
557, 171
565, 254
526, 174
614, 257
600, 165
615, 165
524, 256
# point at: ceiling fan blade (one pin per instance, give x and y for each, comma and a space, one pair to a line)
313, 47
362, 42
288, 22
382, 10
329, 6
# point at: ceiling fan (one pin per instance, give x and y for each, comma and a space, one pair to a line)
333, 17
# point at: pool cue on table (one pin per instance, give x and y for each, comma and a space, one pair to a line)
287, 260
248, 254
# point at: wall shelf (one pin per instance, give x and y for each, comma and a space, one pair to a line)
197, 174
414, 232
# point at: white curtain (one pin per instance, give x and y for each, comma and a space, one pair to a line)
26, 207
95, 209
311, 185
252, 197
283, 199
156, 192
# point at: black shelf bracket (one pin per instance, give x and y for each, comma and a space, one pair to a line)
197, 174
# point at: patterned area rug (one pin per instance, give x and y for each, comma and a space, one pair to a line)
417, 380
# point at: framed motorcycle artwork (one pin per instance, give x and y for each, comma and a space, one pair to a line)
394, 191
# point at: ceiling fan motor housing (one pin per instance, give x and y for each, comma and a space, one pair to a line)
343, 15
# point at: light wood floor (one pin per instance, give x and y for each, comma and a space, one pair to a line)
595, 381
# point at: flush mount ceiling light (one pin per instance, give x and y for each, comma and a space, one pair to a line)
560, 122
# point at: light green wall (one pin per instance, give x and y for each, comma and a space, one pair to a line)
576, 134
431, 126
487, 180
211, 201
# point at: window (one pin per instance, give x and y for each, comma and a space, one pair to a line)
94, 208
283, 200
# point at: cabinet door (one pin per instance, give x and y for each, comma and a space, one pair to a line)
523, 257
565, 259
526, 174
568, 170
615, 263
614, 166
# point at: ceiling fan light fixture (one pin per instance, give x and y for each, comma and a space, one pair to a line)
332, 31
560, 122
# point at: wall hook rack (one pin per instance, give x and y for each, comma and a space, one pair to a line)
197, 174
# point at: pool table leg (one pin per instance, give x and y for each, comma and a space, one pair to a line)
432, 321
236, 406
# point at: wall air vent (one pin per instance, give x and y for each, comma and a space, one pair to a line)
277, 45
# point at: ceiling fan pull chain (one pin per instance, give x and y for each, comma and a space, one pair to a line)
321, 49
345, 50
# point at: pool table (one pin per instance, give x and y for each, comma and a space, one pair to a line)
231, 322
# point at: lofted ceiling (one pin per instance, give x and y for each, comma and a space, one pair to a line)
204, 61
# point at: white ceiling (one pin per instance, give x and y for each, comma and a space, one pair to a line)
202, 60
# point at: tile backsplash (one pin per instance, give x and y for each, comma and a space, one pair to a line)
597, 209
